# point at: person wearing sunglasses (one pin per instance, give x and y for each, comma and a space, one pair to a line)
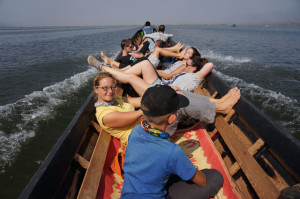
115, 114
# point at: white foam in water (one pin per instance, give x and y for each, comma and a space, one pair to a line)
24, 115
269, 99
257, 90
222, 58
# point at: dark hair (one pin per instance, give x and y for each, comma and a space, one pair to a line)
160, 43
147, 23
126, 42
161, 28
195, 52
199, 62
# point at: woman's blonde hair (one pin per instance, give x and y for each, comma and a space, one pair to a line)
103, 75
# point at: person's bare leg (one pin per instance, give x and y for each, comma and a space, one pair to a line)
167, 53
145, 69
136, 82
175, 48
226, 103
109, 61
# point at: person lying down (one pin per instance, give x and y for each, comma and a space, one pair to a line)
195, 70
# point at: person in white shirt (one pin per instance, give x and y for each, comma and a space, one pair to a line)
160, 35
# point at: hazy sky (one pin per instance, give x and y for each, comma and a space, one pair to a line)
133, 12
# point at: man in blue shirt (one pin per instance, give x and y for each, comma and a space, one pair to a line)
148, 28
151, 158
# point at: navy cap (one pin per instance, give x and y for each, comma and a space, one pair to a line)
161, 100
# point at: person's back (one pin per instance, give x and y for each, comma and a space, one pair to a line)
148, 28
160, 35
157, 158
150, 157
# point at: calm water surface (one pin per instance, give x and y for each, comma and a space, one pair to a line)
44, 79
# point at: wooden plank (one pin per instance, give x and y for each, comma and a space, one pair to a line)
234, 169
214, 94
241, 136
255, 174
243, 189
227, 118
82, 161
96, 126
256, 146
221, 150
252, 150
93, 174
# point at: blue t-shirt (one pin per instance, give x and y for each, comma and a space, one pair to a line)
149, 160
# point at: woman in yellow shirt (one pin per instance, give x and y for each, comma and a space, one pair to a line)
115, 114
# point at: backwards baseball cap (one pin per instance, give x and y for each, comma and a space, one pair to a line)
161, 100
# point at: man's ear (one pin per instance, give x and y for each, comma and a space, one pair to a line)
172, 118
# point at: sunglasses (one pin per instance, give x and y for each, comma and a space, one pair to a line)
189, 64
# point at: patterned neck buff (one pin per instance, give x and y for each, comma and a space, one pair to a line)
153, 131
105, 103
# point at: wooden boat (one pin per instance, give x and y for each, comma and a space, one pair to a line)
261, 158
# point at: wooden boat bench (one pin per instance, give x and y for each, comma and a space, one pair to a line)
94, 166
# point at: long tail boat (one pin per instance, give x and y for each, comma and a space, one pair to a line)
260, 157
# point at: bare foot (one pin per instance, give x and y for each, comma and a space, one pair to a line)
182, 53
180, 47
226, 96
106, 59
229, 93
94, 62
225, 106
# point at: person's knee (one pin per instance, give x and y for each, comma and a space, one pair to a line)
214, 179
130, 76
156, 51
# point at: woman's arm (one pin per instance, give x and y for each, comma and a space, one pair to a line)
207, 68
135, 101
121, 119
179, 70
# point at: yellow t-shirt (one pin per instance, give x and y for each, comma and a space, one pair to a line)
121, 133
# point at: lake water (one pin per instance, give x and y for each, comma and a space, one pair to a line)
45, 78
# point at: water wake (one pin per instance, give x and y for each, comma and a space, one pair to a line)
20, 120
272, 103
223, 58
